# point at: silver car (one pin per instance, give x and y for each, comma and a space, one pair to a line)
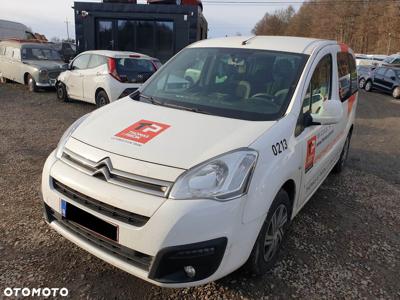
36, 65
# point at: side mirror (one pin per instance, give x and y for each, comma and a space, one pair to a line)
331, 113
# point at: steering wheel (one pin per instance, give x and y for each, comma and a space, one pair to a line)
265, 98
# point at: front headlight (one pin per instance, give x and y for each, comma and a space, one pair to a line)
222, 178
43, 73
67, 134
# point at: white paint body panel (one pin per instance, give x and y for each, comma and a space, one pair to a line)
191, 139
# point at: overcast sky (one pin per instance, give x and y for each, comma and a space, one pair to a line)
48, 16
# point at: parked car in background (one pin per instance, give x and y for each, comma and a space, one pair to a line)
369, 59
103, 76
34, 64
385, 79
393, 59
10, 29
364, 73
67, 50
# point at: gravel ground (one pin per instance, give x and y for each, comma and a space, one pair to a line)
344, 244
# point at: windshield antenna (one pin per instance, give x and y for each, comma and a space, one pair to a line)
246, 41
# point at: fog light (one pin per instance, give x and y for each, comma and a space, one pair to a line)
190, 271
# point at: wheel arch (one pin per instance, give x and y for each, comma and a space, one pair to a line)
98, 90
26, 74
290, 188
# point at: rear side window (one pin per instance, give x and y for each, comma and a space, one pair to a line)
96, 61
81, 62
9, 52
347, 72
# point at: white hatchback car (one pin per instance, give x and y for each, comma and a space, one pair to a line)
104, 76
184, 181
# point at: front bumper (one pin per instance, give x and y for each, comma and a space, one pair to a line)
49, 83
203, 234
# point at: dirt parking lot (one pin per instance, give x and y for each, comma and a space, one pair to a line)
344, 244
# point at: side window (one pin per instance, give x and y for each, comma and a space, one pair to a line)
17, 54
344, 75
9, 52
81, 62
96, 61
319, 89
353, 74
396, 61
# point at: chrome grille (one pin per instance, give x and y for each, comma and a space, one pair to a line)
104, 170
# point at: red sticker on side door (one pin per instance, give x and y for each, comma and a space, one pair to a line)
143, 131
311, 144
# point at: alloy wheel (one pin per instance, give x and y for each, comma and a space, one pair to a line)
275, 232
361, 83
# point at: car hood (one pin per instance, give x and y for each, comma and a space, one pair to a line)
47, 64
165, 136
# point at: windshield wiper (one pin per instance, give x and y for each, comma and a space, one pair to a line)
193, 109
154, 101
148, 98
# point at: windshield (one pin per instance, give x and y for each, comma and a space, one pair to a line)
237, 83
40, 54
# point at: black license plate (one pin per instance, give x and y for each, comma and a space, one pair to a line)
89, 221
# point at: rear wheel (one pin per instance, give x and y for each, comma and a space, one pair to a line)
368, 86
396, 93
102, 99
269, 240
338, 168
61, 92
32, 84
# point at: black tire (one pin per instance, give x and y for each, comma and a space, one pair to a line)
396, 92
265, 251
368, 86
338, 168
102, 99
62, 92
31, 84
361, 83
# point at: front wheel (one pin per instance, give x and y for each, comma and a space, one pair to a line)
32, 84
396, 93
368, 86
269, 240
62, 92
361, 83
102, 99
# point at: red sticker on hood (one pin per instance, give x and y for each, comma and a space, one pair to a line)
142, 131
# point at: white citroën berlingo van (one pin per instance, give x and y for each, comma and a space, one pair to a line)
191, 177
